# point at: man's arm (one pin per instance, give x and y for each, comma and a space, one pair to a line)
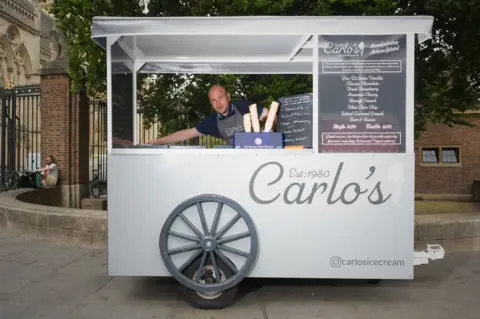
179, 136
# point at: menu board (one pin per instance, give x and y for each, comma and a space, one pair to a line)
295, 120
362, 93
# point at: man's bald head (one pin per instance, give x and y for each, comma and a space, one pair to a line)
219, 98
217, 88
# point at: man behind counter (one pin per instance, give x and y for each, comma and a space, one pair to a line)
227, 119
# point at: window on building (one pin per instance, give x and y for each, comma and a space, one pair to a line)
430, 155
443, 155
450, 155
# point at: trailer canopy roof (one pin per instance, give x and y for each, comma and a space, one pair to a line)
237, 44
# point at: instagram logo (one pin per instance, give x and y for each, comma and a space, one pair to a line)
335, 262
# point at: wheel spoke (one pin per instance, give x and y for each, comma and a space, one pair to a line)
228, 239
183, 249
215, 267
216, 219
200, 268
192, 226
183, 236
226, 261
233, 250
202, 218
227, 226
190, 260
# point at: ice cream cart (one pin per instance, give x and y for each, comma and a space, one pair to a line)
340, 205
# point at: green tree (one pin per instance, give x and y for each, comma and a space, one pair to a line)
87, 59
447, 67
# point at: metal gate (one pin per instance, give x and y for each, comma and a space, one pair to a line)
20, 129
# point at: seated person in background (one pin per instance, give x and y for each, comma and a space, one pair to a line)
49, 172
227, 119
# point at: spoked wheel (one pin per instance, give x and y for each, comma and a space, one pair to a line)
210, 274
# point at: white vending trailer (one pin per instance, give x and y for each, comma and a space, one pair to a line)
341, 206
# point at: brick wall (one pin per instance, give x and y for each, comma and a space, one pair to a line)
449, 180
65, 124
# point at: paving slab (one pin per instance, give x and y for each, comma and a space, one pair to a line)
48, 279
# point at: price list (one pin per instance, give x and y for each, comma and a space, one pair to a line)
362, 93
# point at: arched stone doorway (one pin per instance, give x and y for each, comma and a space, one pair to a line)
6, 59
15, 62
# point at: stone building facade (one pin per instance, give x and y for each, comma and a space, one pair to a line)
28, 40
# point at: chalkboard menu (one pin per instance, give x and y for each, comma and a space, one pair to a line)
362, 93
295, 120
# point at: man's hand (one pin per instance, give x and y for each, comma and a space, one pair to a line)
179, 136
152, 142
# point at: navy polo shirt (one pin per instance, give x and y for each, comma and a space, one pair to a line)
209, 125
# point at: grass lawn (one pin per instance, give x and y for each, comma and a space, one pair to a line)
445, 207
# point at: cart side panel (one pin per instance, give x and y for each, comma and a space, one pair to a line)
353, 219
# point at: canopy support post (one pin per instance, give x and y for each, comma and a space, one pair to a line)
138, 65
315, 106
134, 94
110, 41
127, 49
129, 65
135, 104
410, 95
299, 46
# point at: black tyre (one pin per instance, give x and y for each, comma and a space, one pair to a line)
209, 300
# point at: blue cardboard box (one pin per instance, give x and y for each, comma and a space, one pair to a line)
258, 140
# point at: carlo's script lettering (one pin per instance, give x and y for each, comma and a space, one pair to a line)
297, 193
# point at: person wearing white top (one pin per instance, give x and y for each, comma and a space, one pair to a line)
49, 172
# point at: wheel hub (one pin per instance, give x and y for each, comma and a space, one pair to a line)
209, 243
208, 277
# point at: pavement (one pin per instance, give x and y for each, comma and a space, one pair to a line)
42, 278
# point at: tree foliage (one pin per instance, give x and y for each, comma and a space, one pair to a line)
447, 66
86, 58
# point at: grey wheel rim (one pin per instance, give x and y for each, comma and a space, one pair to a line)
209, 242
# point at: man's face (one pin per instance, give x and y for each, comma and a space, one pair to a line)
48, 160
220, 100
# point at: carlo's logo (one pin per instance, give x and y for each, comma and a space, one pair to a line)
345, 49
258, 141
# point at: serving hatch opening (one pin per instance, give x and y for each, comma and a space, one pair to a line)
277, 45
